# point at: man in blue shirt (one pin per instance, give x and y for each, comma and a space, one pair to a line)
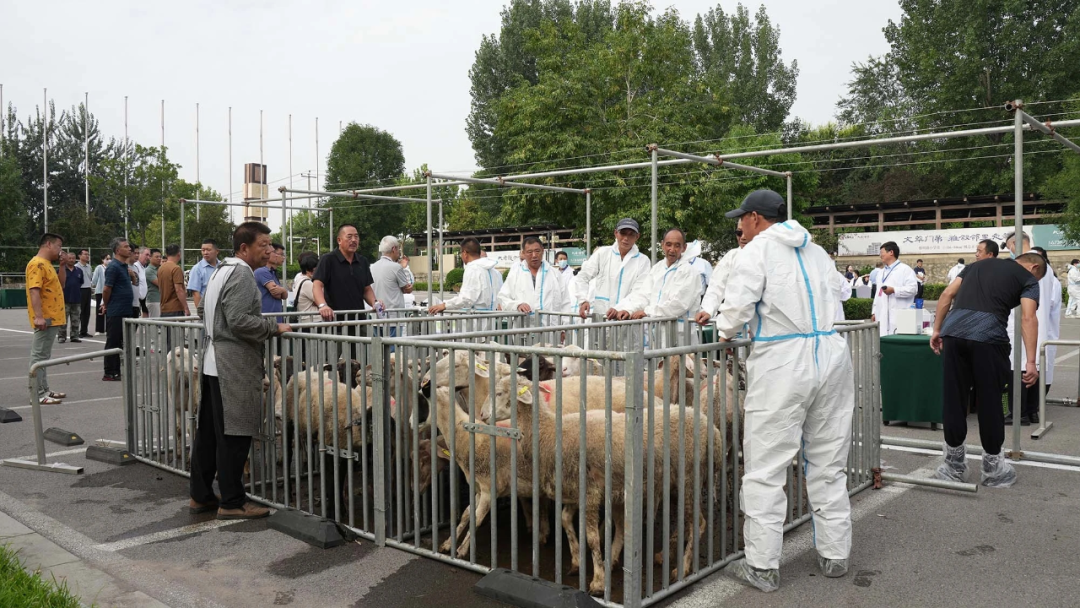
71, 278
271, 291
117, 300
201, 272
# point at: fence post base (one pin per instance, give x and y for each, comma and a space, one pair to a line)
56, 467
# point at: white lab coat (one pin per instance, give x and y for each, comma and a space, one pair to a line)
1049, 316
479, 287
862, 290
714, 294
693, 256
844, 294
546, 293
567, 276
900, 277
611, 277
800, 393
954, 272
667, 291
1074, 290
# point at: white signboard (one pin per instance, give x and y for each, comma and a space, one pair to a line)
915, 242
505, 259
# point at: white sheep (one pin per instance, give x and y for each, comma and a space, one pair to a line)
184, 390
696, 434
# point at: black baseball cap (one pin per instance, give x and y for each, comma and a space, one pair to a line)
766, 203
628, 223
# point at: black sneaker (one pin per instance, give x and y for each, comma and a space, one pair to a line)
110, 378
61, 340
76, 340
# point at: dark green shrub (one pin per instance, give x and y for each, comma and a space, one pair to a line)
858, 309
454, 278
932, 291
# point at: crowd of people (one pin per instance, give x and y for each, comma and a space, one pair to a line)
777, 287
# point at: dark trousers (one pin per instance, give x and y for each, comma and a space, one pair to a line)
985, 367
169, 330
1029, 398
215, 453
99, 320
114, 338
85, 318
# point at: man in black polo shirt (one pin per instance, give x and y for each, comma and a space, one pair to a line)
342, 280
972, 338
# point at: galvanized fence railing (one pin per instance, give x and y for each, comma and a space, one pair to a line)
34, 383
429, 445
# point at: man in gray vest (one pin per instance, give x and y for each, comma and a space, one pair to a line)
232, 383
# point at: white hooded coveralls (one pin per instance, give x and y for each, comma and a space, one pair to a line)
479, 287
800, 391
1074, 290
667, 291
1049, 316
844, 295
902, 278
612, 276
546, 293
954, 272
693, 257
714, 294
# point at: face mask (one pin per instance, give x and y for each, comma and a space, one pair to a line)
563, 264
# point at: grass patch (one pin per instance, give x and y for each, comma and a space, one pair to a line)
19, 588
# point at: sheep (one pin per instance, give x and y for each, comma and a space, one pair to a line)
182, 376
696, 433
595, 397
573, 365
685, 375
449, 411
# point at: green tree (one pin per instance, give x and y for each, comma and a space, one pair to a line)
363, 155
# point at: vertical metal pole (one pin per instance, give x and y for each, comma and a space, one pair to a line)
588, 222
1018, 211
45, 155
127, 168
182, 222
330, 243
635, 371
652, 242
789, 197
284, 219
317, 159
430, 255
86, 150
378, 387
35, 407
198, 180
442, 274
262, 168
291, 250
162, 180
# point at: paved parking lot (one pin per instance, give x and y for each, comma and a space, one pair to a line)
912, 546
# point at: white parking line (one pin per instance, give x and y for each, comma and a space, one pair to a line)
33, 457
146, 539
1026, 463
24, 331
27, 407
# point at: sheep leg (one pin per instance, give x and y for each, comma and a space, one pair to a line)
568, 513
617, 540
592, 536
483, 505
688, 553
445, 546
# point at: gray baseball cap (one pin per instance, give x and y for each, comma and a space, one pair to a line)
628, 223
765, 203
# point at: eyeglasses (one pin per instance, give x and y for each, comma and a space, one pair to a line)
738, 232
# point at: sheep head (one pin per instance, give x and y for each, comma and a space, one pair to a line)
504, 396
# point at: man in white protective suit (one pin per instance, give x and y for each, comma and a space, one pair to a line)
611, 272
671, 289
955, 271
1074, 288
714, 294
534, 285
799, 394
897, 286
480, 284
692, 255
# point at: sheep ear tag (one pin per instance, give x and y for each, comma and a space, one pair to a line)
481, 370
524, 394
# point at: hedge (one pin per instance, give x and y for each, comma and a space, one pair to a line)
454, 278
857, 309
932, 291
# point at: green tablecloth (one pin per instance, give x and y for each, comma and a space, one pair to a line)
910, 380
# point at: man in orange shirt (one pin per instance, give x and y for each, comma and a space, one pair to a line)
45, 299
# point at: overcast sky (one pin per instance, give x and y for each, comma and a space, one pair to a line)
401, 66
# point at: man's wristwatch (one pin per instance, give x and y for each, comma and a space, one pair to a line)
321, 306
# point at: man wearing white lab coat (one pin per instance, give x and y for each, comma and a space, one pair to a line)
479, 285
566, 273
1074, 288
897, 287
1049, 316
799, 396
955, 271
534, 285
843, 293
611, 272
714, 293
693, 257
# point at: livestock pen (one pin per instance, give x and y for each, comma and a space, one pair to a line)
622, 457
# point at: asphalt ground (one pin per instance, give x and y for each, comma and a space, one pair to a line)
912, 545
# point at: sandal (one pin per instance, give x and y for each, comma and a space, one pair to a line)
56, 395
47, 400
